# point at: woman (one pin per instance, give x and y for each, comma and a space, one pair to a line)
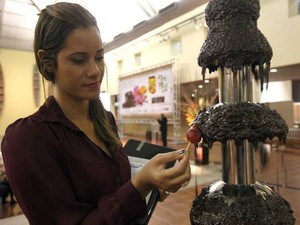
65, 162
163, 126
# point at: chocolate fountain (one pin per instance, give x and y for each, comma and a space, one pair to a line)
241, 54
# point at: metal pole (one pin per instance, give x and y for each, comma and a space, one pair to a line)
238, 160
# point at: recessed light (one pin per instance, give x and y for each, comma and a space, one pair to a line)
273, 70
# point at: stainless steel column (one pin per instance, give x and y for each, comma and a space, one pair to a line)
238, 160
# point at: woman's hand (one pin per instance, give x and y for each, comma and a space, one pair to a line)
155, 173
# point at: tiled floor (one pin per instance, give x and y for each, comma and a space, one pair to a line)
282, 171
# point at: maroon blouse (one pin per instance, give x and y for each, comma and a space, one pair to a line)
59, 176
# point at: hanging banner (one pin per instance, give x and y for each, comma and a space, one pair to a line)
148, 93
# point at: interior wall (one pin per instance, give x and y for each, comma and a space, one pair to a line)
297, 114
18, 68
154, 51
285, 109
282, 31
277, 92
296, 90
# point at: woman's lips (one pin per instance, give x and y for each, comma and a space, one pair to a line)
93, 85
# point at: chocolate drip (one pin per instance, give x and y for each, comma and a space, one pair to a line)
240, 121
233, 39
237, 49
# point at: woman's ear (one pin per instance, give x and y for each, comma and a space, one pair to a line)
41, 54
48, 65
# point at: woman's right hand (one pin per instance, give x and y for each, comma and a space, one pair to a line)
155, 173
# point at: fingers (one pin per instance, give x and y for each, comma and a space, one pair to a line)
177, 176
168, 157
181, 167
155, 173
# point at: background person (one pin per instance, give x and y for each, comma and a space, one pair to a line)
65, 163
163, 127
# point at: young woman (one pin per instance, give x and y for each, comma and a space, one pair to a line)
65, 163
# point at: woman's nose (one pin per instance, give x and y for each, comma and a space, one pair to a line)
94, 69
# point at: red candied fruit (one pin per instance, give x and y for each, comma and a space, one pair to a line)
193, 134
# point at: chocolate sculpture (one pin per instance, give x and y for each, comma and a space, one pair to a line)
239, 52
233, 39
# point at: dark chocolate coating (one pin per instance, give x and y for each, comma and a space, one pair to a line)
240, 121
233, 38
234, 41
241, 205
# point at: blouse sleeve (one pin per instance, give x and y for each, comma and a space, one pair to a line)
38, 176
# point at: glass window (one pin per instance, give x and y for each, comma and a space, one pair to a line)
176, 46
120, 65
138, 59
294, 8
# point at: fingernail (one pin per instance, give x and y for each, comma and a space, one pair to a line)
185, 184
181, 151
166, 193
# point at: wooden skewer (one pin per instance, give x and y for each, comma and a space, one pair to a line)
187, 147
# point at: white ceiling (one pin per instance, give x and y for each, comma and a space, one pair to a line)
18, 18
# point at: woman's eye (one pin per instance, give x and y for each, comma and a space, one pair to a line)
99, 57
78, 61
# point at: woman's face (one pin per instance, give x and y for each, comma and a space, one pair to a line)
80, 65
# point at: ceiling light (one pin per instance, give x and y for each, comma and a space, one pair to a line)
206, 81
164, 37
273, 70
198, 24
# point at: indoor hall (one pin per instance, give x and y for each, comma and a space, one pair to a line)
280, 171
159, 52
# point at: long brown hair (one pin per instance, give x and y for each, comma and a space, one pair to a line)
54, 24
